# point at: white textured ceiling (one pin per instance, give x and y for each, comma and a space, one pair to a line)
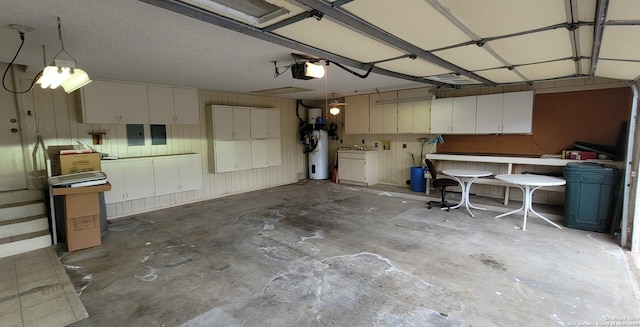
497, 41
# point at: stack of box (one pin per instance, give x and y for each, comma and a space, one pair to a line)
81, 204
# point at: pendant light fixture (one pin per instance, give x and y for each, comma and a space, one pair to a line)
63, 71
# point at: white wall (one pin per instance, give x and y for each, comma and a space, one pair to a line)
53, 115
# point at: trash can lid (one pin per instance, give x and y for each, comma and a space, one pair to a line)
590, 167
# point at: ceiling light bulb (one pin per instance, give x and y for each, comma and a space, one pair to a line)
313, 70
334, 110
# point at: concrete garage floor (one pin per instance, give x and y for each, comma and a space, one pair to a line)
324, 254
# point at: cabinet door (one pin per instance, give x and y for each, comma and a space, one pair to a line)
243, 155
405, 117
225, 156
421, 115
346, 169
116, 177
165, 175
190, 172
259, 124
98, 103
273, 123
222, 123
187, 109
133, 103
517, 114
356, 115
489, 114
139, 175
273, 152
259, 153
441, 115
383, 118
241, 123
161, 105
463, 117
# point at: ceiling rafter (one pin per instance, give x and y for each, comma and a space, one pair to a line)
571, 8
224, 22
473, 35
483, 41
601, 17
362, 26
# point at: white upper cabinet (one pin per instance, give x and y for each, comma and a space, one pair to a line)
356, 114
463, 115
243, 138
161, 108
489, 114
259, 124
505, 113
405, 117
231, 123
421, 117
172, 105
517, 114
383, 118
106, 102
187, 109
441, 115
265, 123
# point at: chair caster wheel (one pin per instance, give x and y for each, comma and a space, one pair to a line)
429, 206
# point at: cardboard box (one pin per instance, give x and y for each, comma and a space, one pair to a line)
79, 163
82, 213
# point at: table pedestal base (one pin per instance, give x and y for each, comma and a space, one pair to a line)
526, 206
465, 195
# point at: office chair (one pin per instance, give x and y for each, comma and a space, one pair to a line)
441, 183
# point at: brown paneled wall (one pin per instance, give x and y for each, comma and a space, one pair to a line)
559, 119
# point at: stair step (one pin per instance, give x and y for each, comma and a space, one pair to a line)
8, 197
21, 226
21, 210
11, 246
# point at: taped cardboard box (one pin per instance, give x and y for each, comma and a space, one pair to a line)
79, 163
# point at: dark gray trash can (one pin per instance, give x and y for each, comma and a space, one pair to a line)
589, 196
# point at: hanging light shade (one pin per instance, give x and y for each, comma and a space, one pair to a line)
78, 79
334, 110
63, 72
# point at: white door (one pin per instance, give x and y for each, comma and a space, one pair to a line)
12, 174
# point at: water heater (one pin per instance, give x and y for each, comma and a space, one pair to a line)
319, 156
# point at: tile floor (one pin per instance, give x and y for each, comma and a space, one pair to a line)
36, 291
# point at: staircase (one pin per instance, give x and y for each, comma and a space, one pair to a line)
24, 225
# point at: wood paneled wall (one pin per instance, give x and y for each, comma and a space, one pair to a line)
559, 119
52, 114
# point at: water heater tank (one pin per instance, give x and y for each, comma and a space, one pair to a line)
313, 114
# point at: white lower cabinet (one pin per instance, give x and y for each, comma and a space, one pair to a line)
130, 179
174, 174
232, 155
358, 167
265, 153
139, 178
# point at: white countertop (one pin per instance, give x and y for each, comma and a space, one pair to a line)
515, 160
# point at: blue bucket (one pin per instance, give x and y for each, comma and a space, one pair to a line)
418, 183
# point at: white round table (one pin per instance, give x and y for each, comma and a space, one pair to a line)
531, 183
465, 178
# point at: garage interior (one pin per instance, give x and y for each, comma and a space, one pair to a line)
271, 243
